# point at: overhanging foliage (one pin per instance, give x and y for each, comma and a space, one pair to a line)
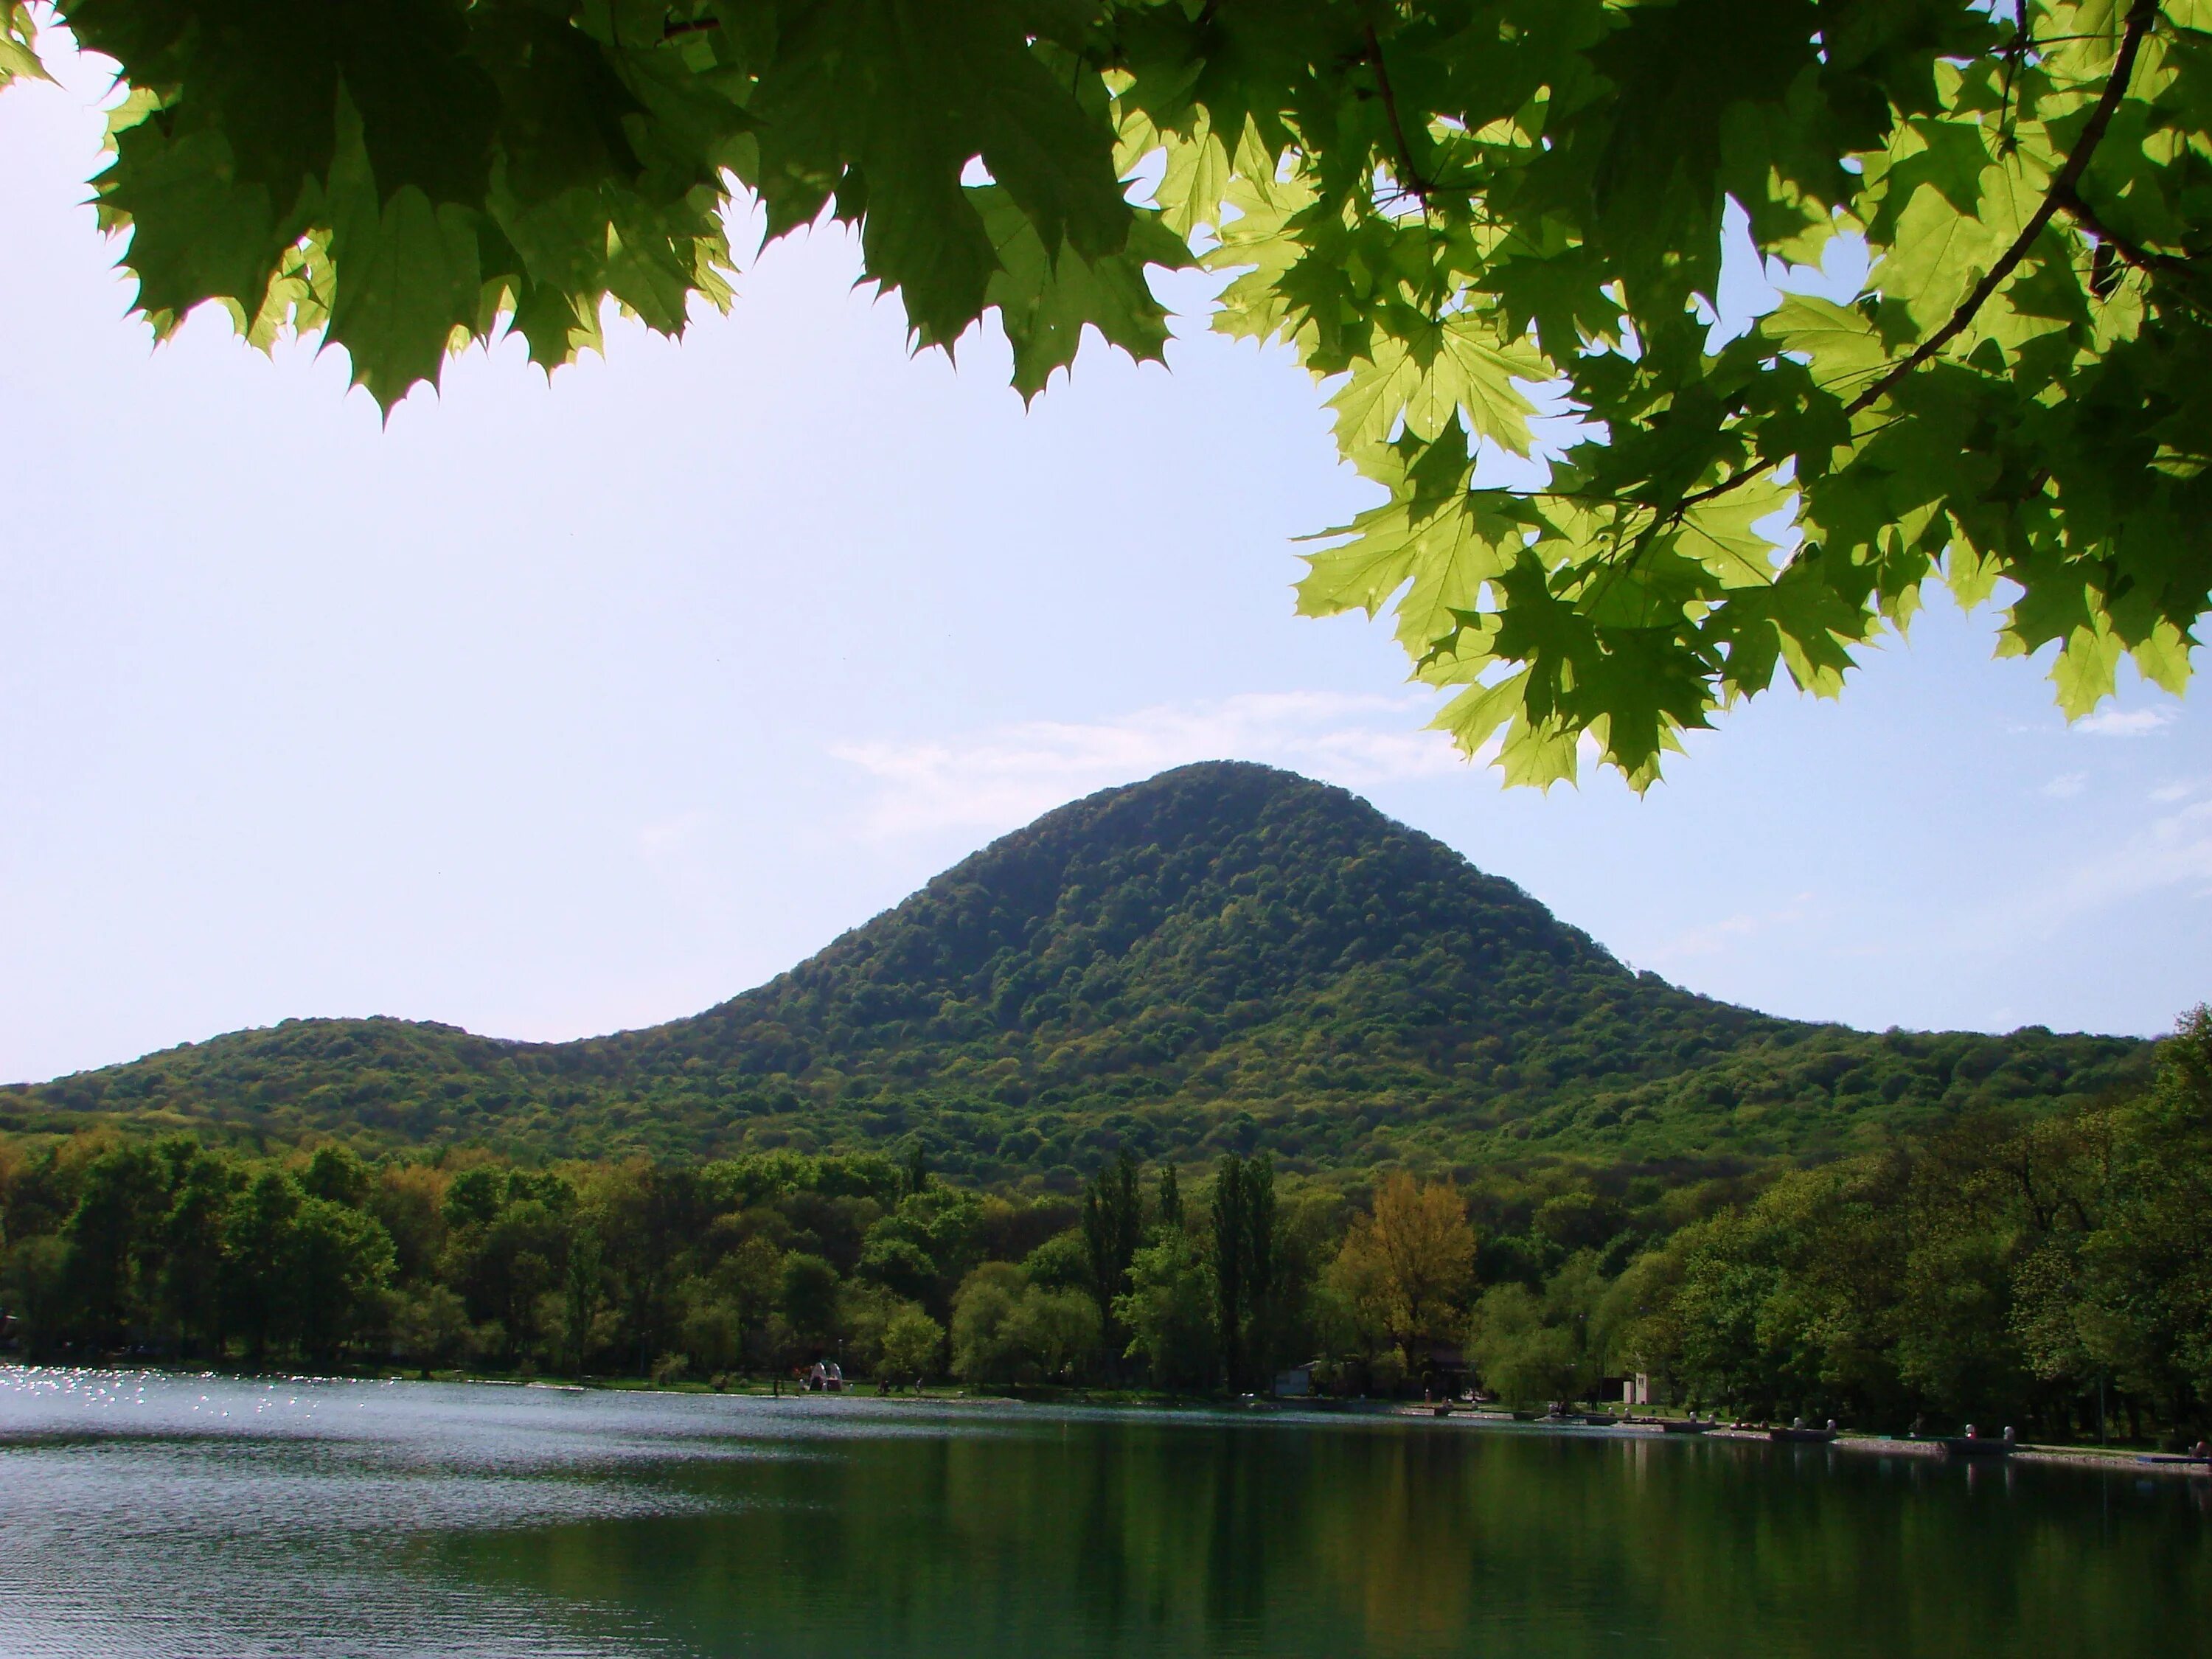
1447, 208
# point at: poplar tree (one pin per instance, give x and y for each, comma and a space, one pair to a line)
1113, 1227
1244, 1263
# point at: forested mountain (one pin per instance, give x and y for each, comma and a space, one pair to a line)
1224, 956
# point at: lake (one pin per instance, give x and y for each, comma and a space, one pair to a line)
150, 1515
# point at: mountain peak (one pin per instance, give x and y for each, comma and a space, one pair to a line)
1187, 934
1224, 956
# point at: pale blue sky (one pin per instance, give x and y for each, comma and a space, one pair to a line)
550, 711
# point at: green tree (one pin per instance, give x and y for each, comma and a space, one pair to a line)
259, 1287
114, 1235
2133, 1291
984, 1303
34, 1292
1243, 1238
807, 1297
1005, 1329
201, 1184
1052, 1335
1113, 1227
1452, 210
339, 1261
336, 1172
581, 1312
899, 1264
430, 1326
1167, 1211
1523, 1357
1169, 1312
913, 1346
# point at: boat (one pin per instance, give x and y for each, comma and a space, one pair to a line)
1684, 1425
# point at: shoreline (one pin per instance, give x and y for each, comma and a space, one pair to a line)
2115, 1460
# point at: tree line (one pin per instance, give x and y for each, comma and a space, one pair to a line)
2050, 1271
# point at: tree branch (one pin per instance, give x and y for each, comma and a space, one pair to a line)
2141, 16
2062, 193
1413, 180
2142, 259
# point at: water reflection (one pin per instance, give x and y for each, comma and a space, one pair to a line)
147, 1515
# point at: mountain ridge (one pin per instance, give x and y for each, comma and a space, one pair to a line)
1222, 956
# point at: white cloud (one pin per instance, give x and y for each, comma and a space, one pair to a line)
1713, 938
2124, 723
2167, 794
999, 779
2066, 786
2171, 851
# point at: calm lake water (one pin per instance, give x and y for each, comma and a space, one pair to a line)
145, 1515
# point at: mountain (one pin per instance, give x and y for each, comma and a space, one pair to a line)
1223, 957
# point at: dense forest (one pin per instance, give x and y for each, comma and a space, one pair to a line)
2042, 1268
1224, 958
1185, 1083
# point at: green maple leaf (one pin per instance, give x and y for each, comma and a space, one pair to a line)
1532, 751
1433, 561
197, 232
406, 274
19, 45
1427, 372
1561, 292
1798, 621
1045, 301
2087, 670
887, 102
1845, 348
1949, 210
1718, 534
1197, 174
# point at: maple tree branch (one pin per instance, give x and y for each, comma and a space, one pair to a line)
2140, 18
2062, 193
2142, 259
1413, 180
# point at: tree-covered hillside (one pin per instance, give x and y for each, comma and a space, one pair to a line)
1222, 957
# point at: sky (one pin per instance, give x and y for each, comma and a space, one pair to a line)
555, 710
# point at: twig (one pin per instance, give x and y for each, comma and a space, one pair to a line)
2062, 193
2140, 18
2017, 50
2135, 254
1413, 180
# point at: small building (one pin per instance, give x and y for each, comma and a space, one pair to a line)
1296, 1383
826, 1377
